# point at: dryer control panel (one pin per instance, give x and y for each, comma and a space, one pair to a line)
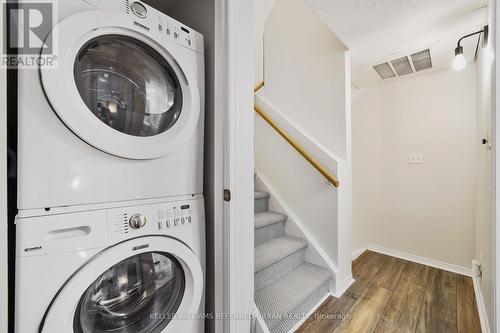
153, 22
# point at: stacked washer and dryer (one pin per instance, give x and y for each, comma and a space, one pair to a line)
110, 230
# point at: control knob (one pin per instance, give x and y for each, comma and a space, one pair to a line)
137, 221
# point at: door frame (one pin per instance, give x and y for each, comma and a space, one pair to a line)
240, 163
496, 176
234, 240
3, 189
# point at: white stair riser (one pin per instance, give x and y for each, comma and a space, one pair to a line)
279, 269
261, 205
269, 232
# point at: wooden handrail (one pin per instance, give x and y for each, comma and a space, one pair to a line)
258, 86
331, 178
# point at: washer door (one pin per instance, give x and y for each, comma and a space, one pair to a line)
118, 89
144, 285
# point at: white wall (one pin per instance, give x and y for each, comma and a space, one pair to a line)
485, 180
262, 9
303, 189
305, 72
426, 210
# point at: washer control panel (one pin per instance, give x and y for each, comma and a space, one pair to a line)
170, 217
137, 221
174, 216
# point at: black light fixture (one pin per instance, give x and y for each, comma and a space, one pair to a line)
459, 62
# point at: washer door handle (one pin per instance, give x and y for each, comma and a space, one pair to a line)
68, 233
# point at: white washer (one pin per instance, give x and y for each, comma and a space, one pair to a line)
123, 269
120, 116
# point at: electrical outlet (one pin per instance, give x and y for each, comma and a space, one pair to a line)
416, 158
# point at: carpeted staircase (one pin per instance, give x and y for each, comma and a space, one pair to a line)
286, 286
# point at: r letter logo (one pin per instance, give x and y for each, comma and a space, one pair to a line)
29, 41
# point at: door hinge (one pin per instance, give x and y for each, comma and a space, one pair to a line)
227, 195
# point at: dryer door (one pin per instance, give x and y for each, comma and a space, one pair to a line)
145, 285
126, 90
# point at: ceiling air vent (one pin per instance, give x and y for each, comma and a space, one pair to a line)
402, 66
422, 60
384, 70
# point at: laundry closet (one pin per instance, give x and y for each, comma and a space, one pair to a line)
115, 170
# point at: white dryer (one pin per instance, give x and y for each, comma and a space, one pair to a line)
124, 269
121, 114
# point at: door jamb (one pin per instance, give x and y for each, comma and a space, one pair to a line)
238, 167
496, 131
3, 189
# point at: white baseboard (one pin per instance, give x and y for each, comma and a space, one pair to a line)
293, 219
421, 260
343, 286
481, 308
358, 252
260, 324
310, 313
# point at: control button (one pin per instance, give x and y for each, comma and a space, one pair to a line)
176, 35
160, 225
189, 43
189, 219
139, 10
168, 31
183, 220
168, 223
137, 221
176, 222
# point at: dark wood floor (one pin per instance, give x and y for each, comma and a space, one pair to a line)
394, 295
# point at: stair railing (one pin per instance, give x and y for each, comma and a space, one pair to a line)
321, 169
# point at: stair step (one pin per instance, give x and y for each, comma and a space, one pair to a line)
275, 250
261, 201
261, 195
279, 269
282, 301
269, 225
265, 219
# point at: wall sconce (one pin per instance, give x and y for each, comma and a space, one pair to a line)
459, 62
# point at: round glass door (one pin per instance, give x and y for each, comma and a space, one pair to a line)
140, 294
128, 85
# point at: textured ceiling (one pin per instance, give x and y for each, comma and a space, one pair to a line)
360, 24
379, 30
